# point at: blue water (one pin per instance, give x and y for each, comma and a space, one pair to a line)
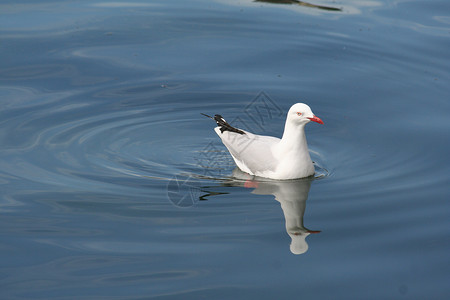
113, 186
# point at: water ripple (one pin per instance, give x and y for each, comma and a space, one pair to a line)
113, 136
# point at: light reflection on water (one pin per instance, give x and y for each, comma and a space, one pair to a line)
100, 109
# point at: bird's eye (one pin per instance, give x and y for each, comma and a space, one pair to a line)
299, 114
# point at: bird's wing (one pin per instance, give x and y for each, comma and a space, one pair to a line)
251, 152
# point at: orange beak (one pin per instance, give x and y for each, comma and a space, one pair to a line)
316, 119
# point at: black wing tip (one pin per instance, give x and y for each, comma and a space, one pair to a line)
223, 125
207, 116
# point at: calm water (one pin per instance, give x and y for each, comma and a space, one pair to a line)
113, 186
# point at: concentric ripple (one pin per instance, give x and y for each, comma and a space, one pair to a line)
87, 140
133, 136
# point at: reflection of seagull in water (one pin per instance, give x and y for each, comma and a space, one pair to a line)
292, 195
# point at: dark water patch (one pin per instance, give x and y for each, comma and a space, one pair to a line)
301, 3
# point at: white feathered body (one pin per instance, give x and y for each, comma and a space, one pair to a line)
267, 156
271, 157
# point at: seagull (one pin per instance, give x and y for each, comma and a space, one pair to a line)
267, 156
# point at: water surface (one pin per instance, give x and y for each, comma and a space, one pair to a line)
113, 186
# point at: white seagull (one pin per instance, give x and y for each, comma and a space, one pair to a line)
271, 157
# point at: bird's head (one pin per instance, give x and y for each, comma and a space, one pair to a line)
300, 113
